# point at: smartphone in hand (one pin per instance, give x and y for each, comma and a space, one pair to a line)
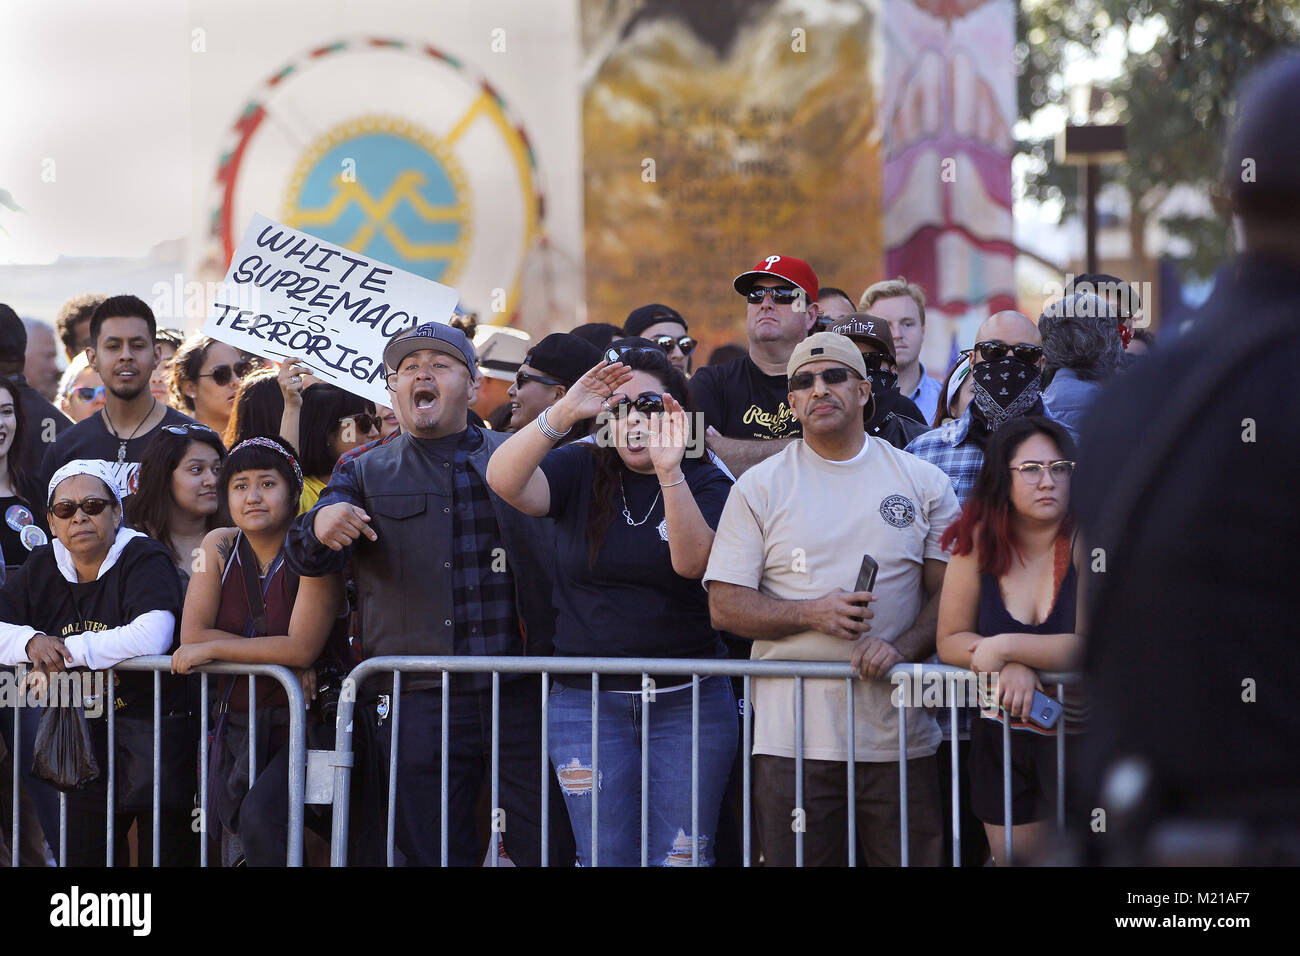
867, 575
1044, 711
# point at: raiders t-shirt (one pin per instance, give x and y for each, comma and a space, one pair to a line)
741, 401
92, 439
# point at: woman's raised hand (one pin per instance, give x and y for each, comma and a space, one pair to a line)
668, 435
587, 397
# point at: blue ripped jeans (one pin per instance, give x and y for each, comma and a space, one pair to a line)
622, 726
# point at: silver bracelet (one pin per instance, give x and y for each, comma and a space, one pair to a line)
674, 484
544, 424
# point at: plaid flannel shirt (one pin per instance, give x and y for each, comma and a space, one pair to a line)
949, 447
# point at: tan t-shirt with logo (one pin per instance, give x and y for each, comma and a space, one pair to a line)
795, 527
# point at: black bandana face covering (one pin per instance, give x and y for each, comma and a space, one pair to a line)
1004, 390
882, 380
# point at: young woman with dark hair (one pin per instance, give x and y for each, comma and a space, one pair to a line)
1009, 608
176, 501
634, 517
244, 605
18, 491
333, 421
205, 376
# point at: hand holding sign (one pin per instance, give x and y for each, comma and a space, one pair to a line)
290, 295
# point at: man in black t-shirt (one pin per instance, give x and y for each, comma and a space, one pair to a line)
122, 350
745, 402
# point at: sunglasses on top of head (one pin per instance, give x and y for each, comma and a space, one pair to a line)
802, 381
222, 374
615, 353
666, 342
647, 403
781, 295
66, 509
996, 351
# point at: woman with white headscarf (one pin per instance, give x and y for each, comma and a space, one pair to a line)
98, 594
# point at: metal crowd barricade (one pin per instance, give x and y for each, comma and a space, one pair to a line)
159, 665
647, 668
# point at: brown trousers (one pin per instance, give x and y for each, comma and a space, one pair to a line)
825, 812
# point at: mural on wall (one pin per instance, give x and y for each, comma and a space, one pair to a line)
948, 106
437, 177
716, 134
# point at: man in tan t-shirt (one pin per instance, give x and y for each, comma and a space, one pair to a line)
786, 553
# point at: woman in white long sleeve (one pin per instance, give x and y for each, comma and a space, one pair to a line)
98, 594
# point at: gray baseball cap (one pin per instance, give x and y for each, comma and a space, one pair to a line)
436, 336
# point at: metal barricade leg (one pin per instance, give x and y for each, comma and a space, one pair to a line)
851, 763
496, 766
17, 748
203, 770
902, 786
956, 780
646, 695
746, 733
446, 747
595, 766
1060, 763
798, 771
1006, 785
546, 772
395, 711
157, 769
297, 776
695, 770
63, 829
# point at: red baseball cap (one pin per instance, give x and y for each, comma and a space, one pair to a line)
795, 271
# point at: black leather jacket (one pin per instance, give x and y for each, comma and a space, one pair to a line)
404, 582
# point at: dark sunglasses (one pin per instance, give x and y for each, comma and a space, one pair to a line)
996, 351
222, 374
66, 509
88, 393
802, 381
523, 377
875, 361
183, 430
781, 295
364, 421
615, 353
666, 342
647, 403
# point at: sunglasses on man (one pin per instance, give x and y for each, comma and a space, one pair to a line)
88, 393
781, 295
66, 509
802, 381
222, 374
996, 351
666, 342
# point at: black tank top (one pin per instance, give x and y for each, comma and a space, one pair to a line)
994, 618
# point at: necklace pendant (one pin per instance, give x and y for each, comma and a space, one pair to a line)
121, 452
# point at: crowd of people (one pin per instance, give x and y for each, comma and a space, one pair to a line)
589, 495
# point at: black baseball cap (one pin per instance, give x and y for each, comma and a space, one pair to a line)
564, 357
13, 336
638, 320
433, 335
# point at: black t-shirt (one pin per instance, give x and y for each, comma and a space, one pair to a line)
632, 603
741, 401
141, 580
92, 439
42, 422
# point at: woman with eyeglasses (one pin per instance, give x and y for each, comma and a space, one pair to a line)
634, 514
99, 594
1008, 608
176, 501
245, 605
333, 421
205, 378
81, 390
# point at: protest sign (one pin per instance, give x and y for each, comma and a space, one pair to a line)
288, 294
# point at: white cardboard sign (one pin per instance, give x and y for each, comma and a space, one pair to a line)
289, 294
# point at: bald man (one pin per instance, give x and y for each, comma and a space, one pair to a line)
1006, 379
